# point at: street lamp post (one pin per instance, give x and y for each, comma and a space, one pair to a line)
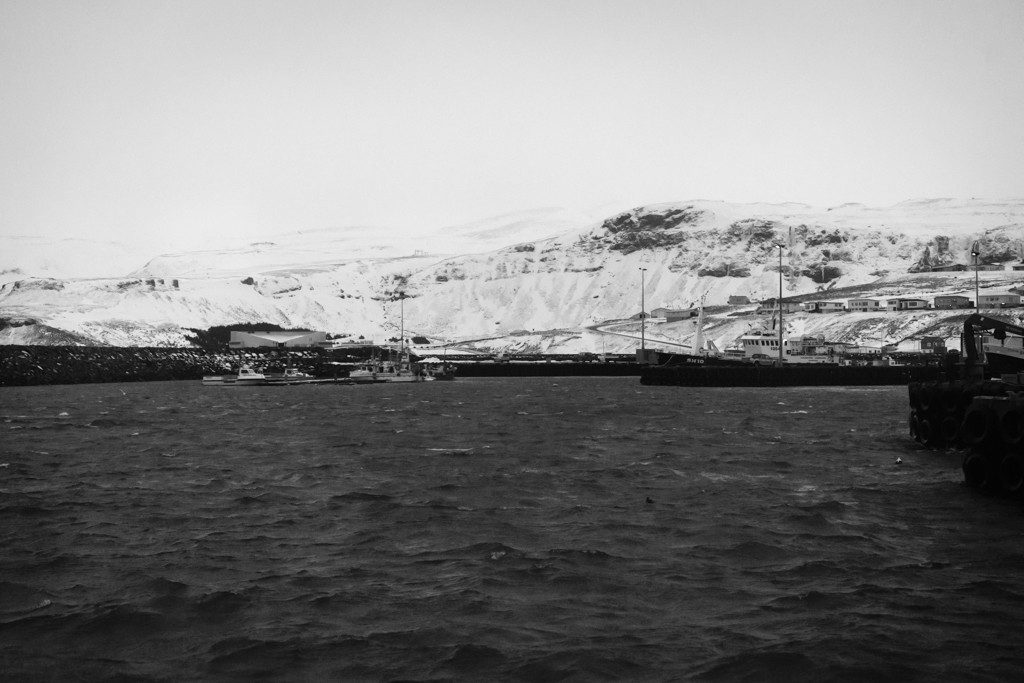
643, 309
975, 253
780, 305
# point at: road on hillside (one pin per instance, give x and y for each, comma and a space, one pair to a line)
602, 328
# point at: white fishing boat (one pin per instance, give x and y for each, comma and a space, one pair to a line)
378, 370
762, 346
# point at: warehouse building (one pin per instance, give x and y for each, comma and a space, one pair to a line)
277, 339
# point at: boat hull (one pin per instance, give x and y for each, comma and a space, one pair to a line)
787, 376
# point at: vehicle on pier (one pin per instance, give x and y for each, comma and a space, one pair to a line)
245, 377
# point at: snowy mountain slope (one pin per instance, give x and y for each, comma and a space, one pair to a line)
541, 292
31, 256
689, 251
324, 249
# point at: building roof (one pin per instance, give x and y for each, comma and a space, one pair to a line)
276, 336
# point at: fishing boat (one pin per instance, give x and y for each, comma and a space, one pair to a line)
999, 344
378, 370
702, 351
437, 369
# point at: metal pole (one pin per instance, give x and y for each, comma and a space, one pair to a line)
401, 328
643, 314
975, 252
780, 305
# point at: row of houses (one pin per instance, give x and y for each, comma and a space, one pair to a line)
951, 267
901, 303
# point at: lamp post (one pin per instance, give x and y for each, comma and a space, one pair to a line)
780, 304
643, 314
975, 253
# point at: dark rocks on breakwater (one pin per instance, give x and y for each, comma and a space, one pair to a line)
29, 365
26, 365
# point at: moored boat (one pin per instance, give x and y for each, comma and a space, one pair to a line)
377, 370
290, 376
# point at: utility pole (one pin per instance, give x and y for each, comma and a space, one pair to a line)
401, 328
643, 314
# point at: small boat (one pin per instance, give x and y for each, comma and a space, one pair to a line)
376, 370
437, 369
290, 376
245, 377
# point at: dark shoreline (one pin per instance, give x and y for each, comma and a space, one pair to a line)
50, 365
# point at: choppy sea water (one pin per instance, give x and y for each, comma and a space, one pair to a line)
494, 529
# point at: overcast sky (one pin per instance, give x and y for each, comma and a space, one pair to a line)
178, 122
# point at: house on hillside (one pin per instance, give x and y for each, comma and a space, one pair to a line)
769, 306
741, 300
952, 301
671, 315
864, 305
824, 306
1001, 300
277, 339
905, 304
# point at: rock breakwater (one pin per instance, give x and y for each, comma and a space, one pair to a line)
31, 365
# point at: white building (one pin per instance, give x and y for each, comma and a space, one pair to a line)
824, 306
1000, 300
906, 304
277, 339
864, 305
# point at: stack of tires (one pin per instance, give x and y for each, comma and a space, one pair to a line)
985, 419
993, 431
937, 410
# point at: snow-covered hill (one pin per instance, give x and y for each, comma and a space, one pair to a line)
545, 279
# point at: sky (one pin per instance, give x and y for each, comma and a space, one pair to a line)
189, 122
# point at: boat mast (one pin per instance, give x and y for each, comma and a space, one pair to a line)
698, 335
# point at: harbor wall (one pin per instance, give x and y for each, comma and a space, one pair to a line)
542, 369
32, 365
